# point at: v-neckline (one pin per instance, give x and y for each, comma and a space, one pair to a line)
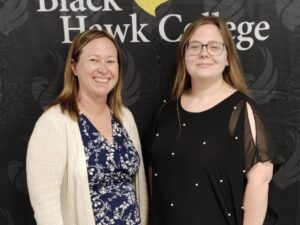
110, 143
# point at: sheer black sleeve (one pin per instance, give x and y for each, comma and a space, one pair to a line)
254, 151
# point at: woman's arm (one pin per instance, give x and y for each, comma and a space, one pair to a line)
256, 193
258, 179
45, 164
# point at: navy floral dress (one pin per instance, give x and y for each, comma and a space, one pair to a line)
111, 170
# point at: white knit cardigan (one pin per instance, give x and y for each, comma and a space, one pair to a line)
57, 173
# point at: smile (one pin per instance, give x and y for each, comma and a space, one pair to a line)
101, 80
204, 64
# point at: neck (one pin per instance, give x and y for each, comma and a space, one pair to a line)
92, 106
204, 95
207, 87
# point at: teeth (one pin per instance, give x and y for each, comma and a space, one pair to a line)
101, 79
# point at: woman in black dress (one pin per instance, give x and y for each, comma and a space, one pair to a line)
209, 157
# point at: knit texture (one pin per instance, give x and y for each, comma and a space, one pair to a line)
57, 172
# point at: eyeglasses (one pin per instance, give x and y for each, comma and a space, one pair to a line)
213, 48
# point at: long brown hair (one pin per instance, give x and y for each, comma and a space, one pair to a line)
68, 97
232, 73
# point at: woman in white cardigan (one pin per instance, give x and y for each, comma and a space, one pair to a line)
84, 160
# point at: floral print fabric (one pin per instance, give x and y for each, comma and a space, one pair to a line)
111, 169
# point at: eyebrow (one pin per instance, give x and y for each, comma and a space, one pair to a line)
207, 41
109, 56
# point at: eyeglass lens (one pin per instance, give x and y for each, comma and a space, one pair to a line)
213, 48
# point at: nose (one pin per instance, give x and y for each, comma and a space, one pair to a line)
204, 51
102, 68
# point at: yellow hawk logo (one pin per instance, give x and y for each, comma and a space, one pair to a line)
150, 5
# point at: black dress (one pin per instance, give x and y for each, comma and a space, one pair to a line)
199, 161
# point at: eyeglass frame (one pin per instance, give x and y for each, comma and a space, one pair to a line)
205, 45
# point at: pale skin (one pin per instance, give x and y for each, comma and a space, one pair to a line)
208, 88
97, 70
256, 192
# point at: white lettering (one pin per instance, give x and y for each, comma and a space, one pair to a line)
77, 5
118, 32
43, 6
161, 27
67, 29
242, 38
231, 27
186, 26
216, 14
113, 4
137, 32
263, 25
244, 29
92, 7
244, 34
64, 7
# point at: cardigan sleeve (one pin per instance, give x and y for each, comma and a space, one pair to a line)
45, 164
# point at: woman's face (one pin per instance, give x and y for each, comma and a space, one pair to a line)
97, 69
210, 62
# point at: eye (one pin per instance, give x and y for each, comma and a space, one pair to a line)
93, 60
215, 45
110, 61
194, 45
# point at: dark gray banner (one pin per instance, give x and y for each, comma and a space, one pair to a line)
35, 36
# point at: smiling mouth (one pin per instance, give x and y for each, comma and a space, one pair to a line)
101, 80
203, 65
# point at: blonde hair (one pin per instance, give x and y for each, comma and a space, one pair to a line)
68, 97
232, 74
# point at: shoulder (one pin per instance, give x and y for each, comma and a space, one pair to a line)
165, 112
245, 102
252, 108
127, 119
167, 107
53, 115
50, 124
246, 98
126, 114
130, 126
125, 110
253, 114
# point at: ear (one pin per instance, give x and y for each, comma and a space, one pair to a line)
73, 67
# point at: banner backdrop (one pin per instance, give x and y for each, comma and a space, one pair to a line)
35, 36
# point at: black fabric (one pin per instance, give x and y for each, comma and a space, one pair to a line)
199, 162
